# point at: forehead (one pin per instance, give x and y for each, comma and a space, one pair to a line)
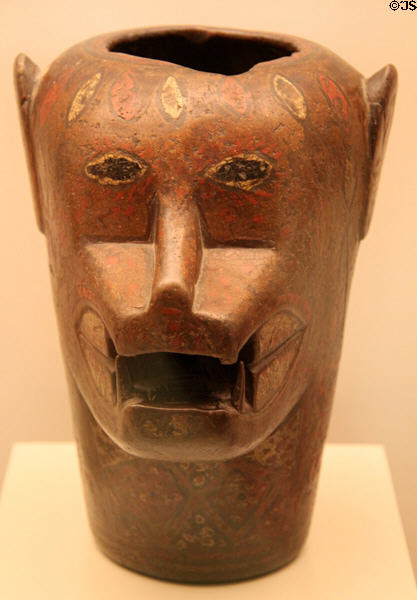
168, 112
178, 118
189, 132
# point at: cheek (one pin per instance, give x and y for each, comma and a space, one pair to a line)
111, 212
232, 216
119, 274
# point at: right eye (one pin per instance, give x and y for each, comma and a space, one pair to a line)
115, 168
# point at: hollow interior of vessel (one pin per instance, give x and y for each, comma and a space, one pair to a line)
213, 53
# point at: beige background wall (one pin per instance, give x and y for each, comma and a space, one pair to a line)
376, 397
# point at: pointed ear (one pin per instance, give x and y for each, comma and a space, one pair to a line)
27, 76
380, 90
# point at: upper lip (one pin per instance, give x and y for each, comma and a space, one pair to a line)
180, 381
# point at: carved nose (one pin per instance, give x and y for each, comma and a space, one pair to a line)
178, 254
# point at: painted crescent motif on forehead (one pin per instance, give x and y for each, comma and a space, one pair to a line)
233, 94
124, 97
83, 96
172, 101
334, 97
290, 97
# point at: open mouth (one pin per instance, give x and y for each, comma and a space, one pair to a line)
173, 381
169, 380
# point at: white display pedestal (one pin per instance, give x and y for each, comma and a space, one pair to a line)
355, 551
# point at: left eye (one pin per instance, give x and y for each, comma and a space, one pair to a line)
244, 171
115, 168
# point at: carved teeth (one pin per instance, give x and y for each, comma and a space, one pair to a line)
238, 394
123, 380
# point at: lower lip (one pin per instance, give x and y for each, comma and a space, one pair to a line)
182, 434
177, 407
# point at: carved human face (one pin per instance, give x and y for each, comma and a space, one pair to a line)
201, 232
